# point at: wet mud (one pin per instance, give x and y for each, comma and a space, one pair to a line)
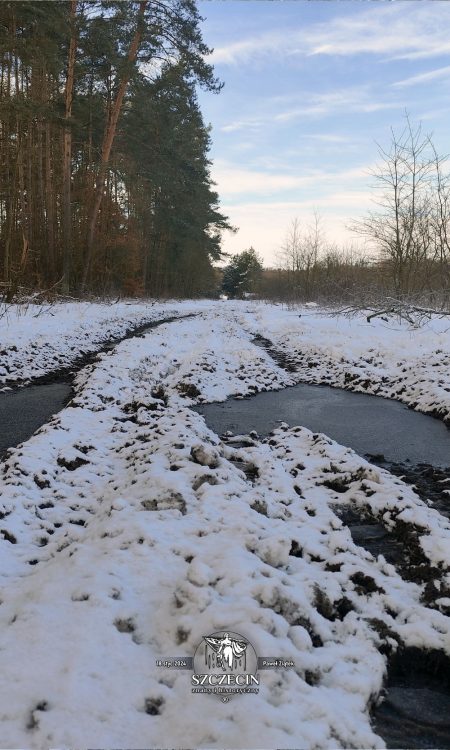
430, 483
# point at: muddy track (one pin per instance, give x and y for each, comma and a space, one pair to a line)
430, 483
282, 359
415, 711
31, 404
65, 374
413, 707
289, 362
401, 545
401, 548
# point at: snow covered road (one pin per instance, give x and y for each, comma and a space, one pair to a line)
130, 531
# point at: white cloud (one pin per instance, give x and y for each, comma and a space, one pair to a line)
250, 124
432, 75
249, 199
406, 30
400, 30
433, 114
357, 99
233, 180
238, 52
327, 138
279, 110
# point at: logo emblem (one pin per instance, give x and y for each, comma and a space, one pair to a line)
225, 651
225, 662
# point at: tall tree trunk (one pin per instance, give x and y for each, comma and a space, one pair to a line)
67, 155
7, 159
108, 140
39, 216
10, 222
49, 200
30, 274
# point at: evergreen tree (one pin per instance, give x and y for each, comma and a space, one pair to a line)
242, 275
104, 173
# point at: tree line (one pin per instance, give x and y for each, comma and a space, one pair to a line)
406, 255
104, 170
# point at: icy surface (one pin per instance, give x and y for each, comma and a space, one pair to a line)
384, 358
129, 530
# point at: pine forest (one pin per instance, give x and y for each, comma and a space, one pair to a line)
104, 171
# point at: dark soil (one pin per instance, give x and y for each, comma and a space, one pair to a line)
429, 482
400, 547
282, 359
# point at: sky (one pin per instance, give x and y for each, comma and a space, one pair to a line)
311, 88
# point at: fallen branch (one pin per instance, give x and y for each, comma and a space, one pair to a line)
415, 314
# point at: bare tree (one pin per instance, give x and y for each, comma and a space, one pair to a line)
401, 228
300, 254
289, 257
312, 247
440, 218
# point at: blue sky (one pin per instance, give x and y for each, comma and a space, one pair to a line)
310, 87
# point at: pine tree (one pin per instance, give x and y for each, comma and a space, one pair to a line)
104, 171
242, 275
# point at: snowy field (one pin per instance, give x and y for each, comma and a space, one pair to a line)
130, 530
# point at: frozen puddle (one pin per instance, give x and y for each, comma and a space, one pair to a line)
22, 412
370, 425
416, 709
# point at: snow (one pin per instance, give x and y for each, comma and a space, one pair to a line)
36, 339
394, 360
130, 530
